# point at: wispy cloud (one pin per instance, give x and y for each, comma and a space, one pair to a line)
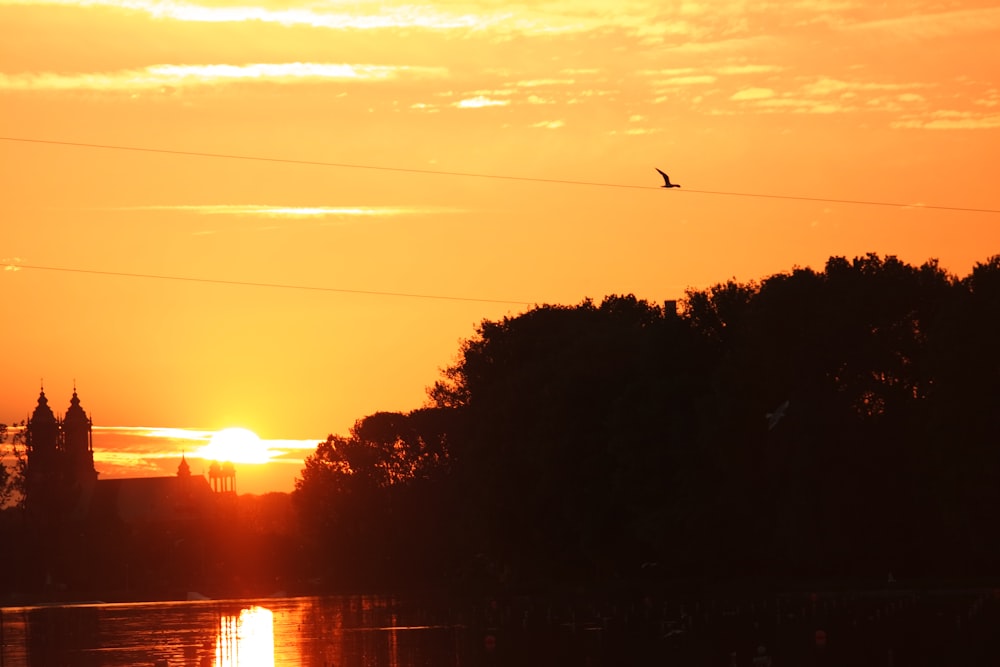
669, 72
666, 80
111, 464
551, 19
538, 83
11, 263
370, 16
150, 443
752, 94
828, 95
687, 80
144, 451
722, 45
829, 86
159, 77
801, 105
479, 102
938, 24
950, 120
737, 70
269, 211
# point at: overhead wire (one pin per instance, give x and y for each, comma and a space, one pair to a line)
412, 170
15, 266
505, 177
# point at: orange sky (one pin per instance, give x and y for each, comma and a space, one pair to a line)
818, 98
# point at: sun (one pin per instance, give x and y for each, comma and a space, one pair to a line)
236, 445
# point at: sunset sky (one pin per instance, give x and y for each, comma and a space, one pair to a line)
430, 165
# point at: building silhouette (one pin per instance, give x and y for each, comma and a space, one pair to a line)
60, 461
60, 478
222, 477
113, 533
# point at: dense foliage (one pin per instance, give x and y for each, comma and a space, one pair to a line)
833, 423
12, 463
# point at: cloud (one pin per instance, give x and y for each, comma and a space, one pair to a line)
675, 71
535, 99
536, 83
991, 99
549, 124
165, 77
939, 24
157, 432
732, 70
798, 105
503, 20
268, 211
737, 44
479, 102
11, 263
363, 16
827, 86
950, 120
139, 450
687, 80
113, 464
752, 94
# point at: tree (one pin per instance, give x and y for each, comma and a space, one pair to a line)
573, 420
12, 466
577, 442
376, 490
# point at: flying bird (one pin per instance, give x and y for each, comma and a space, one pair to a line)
774, 417
666, 180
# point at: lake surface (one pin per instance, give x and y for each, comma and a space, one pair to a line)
346, 631
900, 629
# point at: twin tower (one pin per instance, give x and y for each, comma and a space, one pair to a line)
60, 453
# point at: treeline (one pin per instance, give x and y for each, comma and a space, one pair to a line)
815, 424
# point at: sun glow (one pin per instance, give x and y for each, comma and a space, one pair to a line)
237, 445
246, 640
166, 77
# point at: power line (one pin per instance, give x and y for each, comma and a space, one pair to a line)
316, 163
849, 201
245, 283
505, 177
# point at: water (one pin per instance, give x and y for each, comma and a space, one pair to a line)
345, 631
947, 628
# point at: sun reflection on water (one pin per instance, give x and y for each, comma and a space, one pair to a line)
246, 639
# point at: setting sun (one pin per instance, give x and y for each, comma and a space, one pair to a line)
237, 445
307, 209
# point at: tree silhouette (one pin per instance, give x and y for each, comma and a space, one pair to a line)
12, 464
590, 442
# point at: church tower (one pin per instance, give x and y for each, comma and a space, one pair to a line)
44, 477
43, 472
222, 477
43, 431
183, 469
78, 443
60, 459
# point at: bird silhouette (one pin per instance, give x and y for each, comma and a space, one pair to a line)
774, 417
666, 180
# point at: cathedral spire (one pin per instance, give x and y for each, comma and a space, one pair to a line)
183, 470
43, 413
78, 441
